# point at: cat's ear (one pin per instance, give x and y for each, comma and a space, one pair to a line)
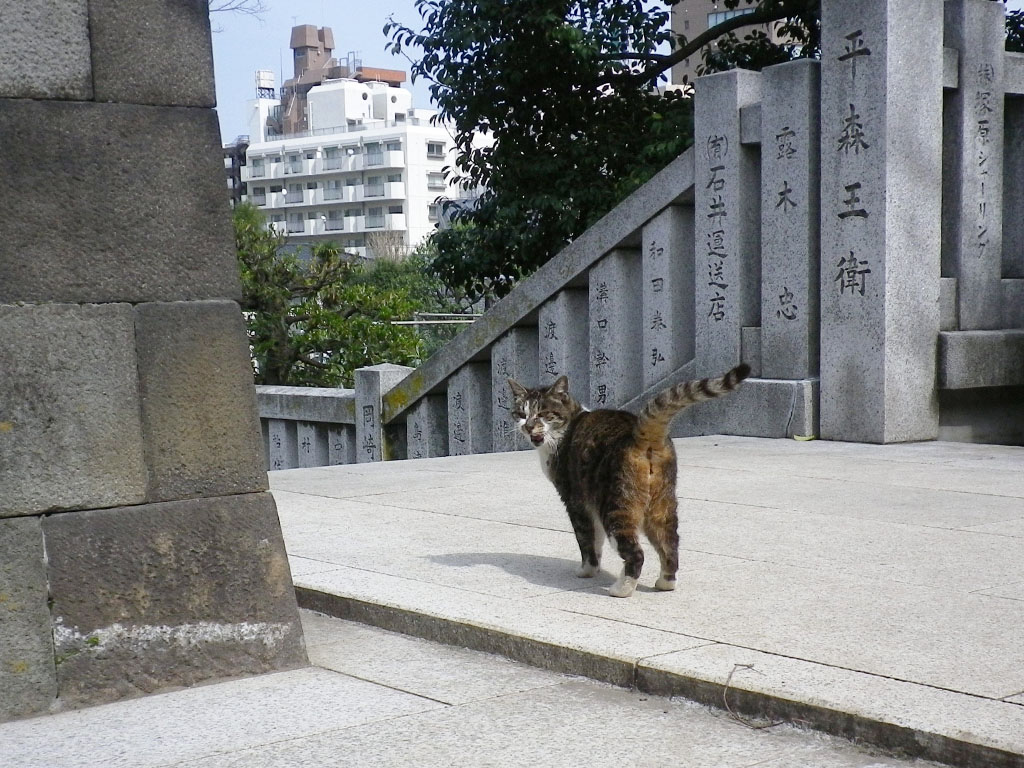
561, 386
518, 390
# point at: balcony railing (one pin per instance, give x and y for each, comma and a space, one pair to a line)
293, 168
333, 193
257, 171
333, 163
374, 158
373, 190
334, 225
375, 222
259, 199
293, 197
296, 227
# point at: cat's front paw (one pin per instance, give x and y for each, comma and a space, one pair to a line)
588, 571
623, 587
665, 584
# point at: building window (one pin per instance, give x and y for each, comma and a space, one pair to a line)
394, 209
393, 146
374, 156
310, 185
374, 186
394, 178
432, 211
435, 181
353, 212
435, 149
719, 16
374, 217
257, 169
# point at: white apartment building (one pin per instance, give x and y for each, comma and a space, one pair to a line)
369, 164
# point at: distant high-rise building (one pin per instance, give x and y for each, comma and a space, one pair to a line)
342, 154
695, 17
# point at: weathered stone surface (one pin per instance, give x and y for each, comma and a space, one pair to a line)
169, 594
70, 433
667, 330
1013, 190
152, 52
198, 403
972, 181
562, 348
728, 213
469, 410
31, 32
513, 356
981, 359
790, 220
427, 428
615, 303
760, 408
371, 384
880, 218
307, 403
27, 675
1013, 303
113, 203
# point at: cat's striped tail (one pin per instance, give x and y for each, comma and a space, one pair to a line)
655, 417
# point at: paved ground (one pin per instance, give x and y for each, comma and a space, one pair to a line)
874, 591
377, 698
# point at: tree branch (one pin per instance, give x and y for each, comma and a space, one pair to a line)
663, 62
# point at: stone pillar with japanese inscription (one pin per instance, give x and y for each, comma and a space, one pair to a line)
615, 306
282, 448
469, 410
312, 444
667, 321
790, 217
427, 428
341, 444
513, 356
972, 192
727, 201
881, 177
371, 384
562, 344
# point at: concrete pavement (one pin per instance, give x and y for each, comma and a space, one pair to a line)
376, 698
871, 591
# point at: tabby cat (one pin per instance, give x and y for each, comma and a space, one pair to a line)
615, 472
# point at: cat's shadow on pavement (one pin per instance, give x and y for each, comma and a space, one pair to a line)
552, 572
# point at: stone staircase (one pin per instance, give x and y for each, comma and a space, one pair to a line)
861, 247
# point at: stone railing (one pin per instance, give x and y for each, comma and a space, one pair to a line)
858, 246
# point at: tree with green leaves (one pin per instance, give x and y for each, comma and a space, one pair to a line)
314, 317
568, 92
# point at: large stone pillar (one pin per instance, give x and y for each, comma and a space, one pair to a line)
129, 440
881, 188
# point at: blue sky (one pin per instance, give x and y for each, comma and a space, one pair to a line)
244, 44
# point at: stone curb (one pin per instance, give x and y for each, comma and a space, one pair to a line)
741, 703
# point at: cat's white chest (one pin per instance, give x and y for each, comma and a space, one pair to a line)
546, 454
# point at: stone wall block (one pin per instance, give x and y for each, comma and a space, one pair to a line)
667, 321
427, 428
169, 594
513, 356
112, 202
28, 677
616, 297
562, 342
371, 384
31, 32
198, 401
152, 52
727, 211
70, 429
469, 410
790, 220
282, 444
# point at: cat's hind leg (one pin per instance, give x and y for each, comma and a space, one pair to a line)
661, 527
632, 560
589, 536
